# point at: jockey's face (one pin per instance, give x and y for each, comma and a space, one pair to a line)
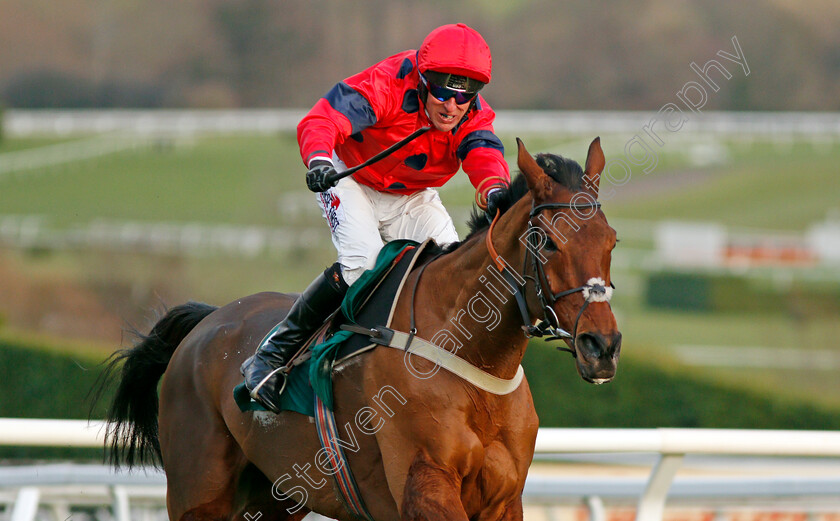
444, 115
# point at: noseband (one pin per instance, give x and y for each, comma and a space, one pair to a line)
595, 289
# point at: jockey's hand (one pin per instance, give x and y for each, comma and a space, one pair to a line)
316, 177
494, 199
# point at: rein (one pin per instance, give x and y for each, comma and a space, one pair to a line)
595, 289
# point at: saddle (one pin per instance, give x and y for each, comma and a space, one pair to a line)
369, 302
363, 323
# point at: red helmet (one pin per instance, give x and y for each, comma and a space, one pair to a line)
456, 49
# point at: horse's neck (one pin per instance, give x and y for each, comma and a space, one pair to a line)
473, 307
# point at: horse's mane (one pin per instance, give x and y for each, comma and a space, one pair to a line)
565, 171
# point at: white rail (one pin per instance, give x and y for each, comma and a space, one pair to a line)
671, 445
820, 126
26, 432
691, 441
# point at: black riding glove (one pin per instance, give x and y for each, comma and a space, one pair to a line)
317, 176
494, 200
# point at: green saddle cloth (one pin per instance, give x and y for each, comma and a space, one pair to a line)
314, 376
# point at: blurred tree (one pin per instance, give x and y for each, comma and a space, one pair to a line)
49, 89
247, 27
53, 89
583, 54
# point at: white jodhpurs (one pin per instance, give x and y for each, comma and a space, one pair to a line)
362, 220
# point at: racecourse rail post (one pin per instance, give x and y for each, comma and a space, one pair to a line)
652, 503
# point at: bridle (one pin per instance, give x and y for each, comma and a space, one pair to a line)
595, 289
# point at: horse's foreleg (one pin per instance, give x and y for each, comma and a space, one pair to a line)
431, 493
513, 512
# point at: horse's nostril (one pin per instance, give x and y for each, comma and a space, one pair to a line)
596, 345
615, 344
592, 345
598, 357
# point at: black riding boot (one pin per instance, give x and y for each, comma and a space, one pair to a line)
308, 313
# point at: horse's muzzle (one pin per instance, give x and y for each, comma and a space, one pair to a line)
597, 356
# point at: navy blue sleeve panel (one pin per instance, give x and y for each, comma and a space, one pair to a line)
347, 100
405, 69
479, 139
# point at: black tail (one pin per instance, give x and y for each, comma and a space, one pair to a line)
132, 431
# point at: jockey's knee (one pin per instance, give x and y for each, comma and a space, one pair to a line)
353, 267
334, 275
446, 236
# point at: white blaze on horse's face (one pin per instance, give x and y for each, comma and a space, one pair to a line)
581, 253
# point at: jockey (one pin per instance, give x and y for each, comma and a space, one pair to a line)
393, 198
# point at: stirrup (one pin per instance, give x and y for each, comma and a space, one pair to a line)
284, 374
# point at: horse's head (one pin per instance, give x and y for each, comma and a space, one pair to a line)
570, 244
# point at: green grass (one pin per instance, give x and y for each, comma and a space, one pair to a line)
652, 336
41, 380
216, 180
761, 187
13, 145
647, 393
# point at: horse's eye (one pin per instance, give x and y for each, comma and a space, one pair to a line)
549, 245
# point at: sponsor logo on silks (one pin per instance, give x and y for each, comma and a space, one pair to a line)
332, 209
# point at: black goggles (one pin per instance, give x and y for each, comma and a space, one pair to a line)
441, 93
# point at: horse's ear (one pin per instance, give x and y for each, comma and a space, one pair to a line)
538, 182
594, 166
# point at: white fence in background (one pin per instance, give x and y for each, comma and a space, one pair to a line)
62, 153
21, 123
161, 238
671, 446
764, 252
811, 126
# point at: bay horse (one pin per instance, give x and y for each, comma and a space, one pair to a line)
422, 444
